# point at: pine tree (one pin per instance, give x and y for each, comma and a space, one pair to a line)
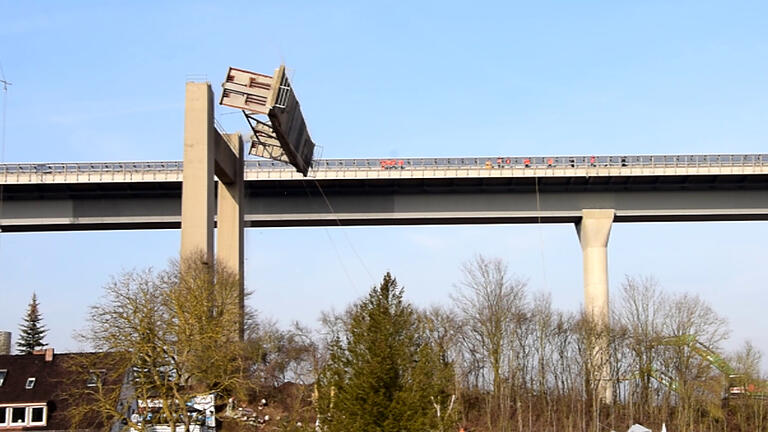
32, 331
382, 375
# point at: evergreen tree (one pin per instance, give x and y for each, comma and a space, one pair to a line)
382, 373
32, 331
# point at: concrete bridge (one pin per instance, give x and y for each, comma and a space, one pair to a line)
589, 191
147, 195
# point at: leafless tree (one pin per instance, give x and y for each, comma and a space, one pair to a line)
175, 332
490, 302
641, 311
699, 384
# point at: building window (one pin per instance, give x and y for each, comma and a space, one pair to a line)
29, 415
3, 373
37, 415
30, 383
95, 377
18, 415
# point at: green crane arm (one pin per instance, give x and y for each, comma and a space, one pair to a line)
664, 379
713, 358
701, 350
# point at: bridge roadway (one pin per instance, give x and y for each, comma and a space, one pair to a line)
147, 195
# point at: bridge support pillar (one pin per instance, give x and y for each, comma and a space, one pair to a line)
594, 230
206, 152
197, 195
230, 236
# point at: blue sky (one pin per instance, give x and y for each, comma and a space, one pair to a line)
105, 81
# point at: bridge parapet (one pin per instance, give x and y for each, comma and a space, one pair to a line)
96, 172
366, 173
602, 166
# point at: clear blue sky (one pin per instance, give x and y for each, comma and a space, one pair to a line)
105, 81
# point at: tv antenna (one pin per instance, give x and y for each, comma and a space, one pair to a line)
5, 84
3, 81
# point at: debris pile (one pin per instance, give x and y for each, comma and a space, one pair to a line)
244, 414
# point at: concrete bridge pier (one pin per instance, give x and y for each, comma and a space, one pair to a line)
230, 226
197, 193
208, 153
594, 230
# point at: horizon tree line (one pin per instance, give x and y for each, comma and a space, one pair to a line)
500, 357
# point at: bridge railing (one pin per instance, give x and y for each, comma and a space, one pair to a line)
651, 161
88, 167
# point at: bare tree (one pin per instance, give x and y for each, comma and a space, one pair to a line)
544, 333
699, 384
491, 302
747, 408
641, 312
176, 332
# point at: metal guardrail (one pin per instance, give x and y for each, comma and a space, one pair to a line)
650, 161
541, 162
88, 167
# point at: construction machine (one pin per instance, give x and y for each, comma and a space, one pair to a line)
736, 383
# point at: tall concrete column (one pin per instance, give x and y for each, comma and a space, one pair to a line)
594, 231
208, 153
197, 194
230, 235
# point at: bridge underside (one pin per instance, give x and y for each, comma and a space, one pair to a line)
501, 200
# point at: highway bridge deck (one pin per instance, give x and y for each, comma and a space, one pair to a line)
147, 195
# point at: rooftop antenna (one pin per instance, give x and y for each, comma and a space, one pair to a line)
5, 84
5, 104
2, 79
2, 132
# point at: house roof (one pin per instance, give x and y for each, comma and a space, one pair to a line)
53, 379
